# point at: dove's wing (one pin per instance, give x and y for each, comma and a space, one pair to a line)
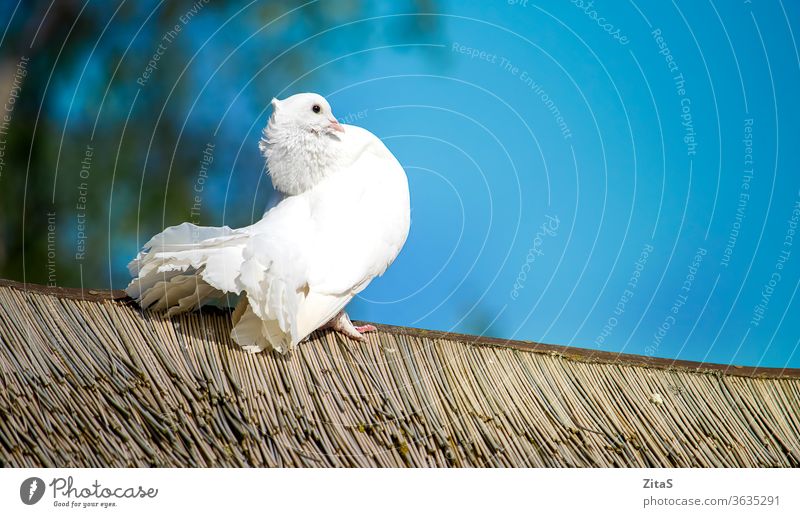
274, 274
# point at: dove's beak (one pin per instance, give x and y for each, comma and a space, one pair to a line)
334, 125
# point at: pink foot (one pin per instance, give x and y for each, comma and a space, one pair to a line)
341, 323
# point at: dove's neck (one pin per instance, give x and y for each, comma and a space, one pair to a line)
298, 159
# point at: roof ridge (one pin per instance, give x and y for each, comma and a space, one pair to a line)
586, 355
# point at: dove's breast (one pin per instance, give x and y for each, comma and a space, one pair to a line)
363, 216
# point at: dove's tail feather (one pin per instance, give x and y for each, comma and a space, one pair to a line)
185, 266
254, 334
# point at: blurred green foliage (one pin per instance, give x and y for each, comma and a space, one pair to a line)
120, 105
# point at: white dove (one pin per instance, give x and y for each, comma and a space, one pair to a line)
342, 221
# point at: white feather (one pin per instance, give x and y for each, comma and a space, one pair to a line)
340, 226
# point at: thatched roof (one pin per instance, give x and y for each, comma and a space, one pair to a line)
87, 380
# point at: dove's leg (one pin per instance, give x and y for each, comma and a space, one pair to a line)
341, 323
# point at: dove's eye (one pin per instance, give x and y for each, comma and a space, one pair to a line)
315, 108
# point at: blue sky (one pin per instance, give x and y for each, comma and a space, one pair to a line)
656, 158
609, 175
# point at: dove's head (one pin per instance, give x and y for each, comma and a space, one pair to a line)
300, 142
305, 112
